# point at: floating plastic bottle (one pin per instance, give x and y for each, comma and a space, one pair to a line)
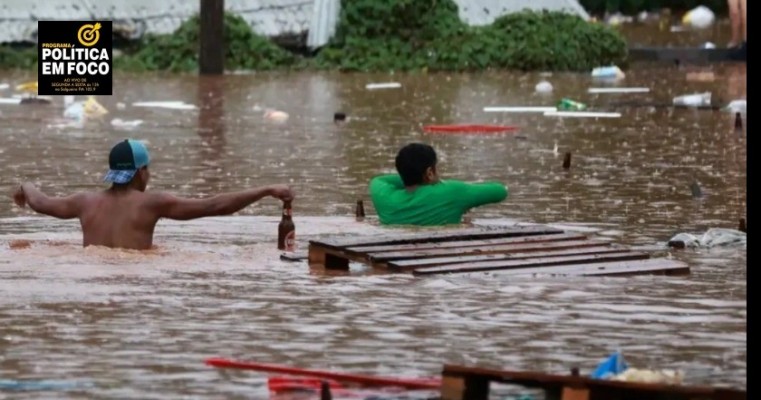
693, 100
571, 105
608, 72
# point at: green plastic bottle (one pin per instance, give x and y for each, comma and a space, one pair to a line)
570, 105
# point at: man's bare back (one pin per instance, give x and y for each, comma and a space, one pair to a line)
125, 215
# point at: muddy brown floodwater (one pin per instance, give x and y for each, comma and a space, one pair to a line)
136, 325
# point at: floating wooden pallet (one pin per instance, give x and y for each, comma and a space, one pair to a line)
513, 250
465, 383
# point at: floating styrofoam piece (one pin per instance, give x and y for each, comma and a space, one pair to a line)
388, 85
735, 106
13, 100
619, 90
126, 124
582, 114
610, 72
520, 109
700, 17
543, 87
693, 100
174, 105
4, 86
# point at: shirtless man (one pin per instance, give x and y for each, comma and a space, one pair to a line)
125, 215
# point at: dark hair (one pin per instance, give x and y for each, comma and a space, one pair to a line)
412, 161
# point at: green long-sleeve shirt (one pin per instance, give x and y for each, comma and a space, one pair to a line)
442, 203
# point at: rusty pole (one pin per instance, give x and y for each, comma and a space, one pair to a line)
211, 55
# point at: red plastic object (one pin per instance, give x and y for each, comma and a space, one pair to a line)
469, 128
283, 383
337, 376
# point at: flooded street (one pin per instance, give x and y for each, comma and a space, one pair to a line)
139, 325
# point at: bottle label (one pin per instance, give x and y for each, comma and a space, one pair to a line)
290, 241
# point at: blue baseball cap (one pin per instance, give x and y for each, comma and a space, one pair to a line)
124, 160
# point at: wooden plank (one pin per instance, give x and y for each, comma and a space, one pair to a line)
531, 262
470, 388
430, 262
617, 389
503, 249
600, 268
469, 243
570, 393
294, 257
440, 236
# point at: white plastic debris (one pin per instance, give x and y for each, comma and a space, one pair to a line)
276, 116
126, 124
709, 45
543, 87
693, 100
669, 377
714, 237
737, 106
598, 90
120, 106
582, 114
12, 100
700, 17
387, 85
610, 72
173, 105
4, 86
83, 111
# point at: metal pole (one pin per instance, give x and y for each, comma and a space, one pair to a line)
212, 51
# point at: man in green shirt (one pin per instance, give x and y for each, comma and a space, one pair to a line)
416, 196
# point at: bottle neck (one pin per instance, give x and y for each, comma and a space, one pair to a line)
287, 211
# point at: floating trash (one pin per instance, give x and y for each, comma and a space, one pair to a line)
693, 100
520, 109
568, 104
543, 87
598, 90
714, 237
700, 17
83, 111
120, 123
608, 72
582, 114
173, 105
387, 85
4, 86
276, 116
737, 106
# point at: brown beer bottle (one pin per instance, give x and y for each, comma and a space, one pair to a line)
286, 230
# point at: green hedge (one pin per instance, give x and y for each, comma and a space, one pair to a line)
179, 51
389, 35
632, 7
428, 34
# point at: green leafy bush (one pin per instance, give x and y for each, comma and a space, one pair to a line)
389, 35
178, 51
18, 58
428, 34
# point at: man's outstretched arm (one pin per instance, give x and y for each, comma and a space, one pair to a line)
58, 207
180, 208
